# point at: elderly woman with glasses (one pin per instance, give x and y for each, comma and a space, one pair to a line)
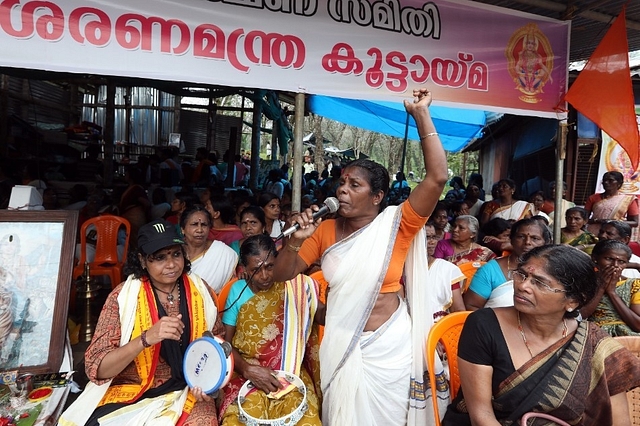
535, 356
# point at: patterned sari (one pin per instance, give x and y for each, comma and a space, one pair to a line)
582, 239
606, 315
259, 339
573, 380
614, 208
478, 254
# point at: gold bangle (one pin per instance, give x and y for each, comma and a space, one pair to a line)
294, 248
428, 135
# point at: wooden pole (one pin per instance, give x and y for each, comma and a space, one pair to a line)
298, 135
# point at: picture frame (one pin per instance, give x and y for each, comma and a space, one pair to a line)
36, 264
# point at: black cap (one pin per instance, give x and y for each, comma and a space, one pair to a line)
157, 235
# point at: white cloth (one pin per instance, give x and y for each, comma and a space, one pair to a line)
216, 265
501, 296
632, 273
566, 205
276, 229
79, 412
475, 209
514, 212
355, 268
442, 275
427, 293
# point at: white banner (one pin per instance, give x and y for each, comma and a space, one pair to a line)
467, 53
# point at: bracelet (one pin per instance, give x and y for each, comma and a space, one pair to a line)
428, 134
143, 339
294, 248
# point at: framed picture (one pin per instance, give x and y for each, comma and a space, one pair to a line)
36, 263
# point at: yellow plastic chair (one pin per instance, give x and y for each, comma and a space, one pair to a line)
469, 270
633, 396
447, 331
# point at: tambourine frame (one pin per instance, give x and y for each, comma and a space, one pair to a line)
288, 420
224, 370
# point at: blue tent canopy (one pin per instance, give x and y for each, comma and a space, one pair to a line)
456, 127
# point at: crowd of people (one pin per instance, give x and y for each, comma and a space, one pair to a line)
346, 302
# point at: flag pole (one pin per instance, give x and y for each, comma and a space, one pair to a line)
561, 154
404, 145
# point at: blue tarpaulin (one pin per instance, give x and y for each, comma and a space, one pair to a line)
456, 127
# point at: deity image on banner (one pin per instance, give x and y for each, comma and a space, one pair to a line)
530, 61
616, 158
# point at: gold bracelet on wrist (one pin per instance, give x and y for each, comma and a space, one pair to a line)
428, 135
294, 248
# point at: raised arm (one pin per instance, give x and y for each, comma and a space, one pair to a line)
425, 196
288, 264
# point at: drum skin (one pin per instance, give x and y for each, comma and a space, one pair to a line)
207, 365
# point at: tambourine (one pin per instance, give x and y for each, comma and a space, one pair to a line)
208, 363
288, 420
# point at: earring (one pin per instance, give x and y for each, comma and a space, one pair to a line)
570, 310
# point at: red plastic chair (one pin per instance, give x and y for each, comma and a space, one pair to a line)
447, 331
106, 260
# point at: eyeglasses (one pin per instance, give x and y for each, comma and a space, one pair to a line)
520, 277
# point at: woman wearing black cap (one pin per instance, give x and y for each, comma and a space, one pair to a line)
145, 326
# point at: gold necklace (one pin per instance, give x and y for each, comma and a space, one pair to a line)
524, 338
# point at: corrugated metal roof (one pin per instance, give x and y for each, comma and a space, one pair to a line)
590, 19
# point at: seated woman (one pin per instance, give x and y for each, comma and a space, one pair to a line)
264, 321
224, 226
213, 261
252, 222
504, 205
440, 221
446, 278
491, 285
537, 202
497, 235
617, 302
534, 356
270, 203
134, 361
575, 233
461, 247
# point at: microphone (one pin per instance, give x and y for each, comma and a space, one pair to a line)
331, 205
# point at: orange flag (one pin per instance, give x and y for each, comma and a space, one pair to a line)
603, 91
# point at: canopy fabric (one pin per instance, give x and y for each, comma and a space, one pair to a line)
537, 135
456, 127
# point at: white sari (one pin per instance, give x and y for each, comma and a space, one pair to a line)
366, 376
216, 266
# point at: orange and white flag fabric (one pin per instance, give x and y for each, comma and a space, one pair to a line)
603, 91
